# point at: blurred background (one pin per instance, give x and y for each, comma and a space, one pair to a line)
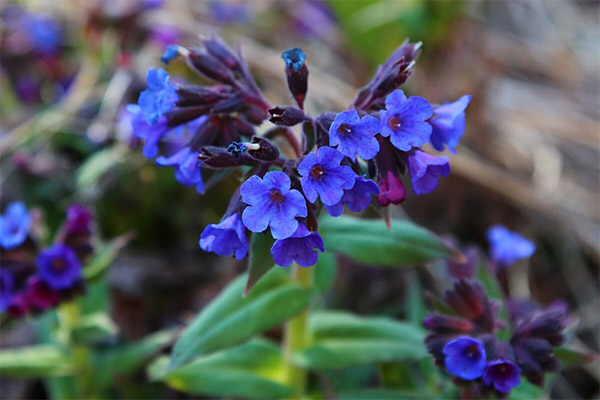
529, 159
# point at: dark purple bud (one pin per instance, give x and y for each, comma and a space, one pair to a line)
391, 190
220, 51
39, 296
262, 149
241, 127
199, 96
323, 124
210, 67
218, 157
446, 324
79, 220
228, 105
255, 115
547, 324
181, 115
297, 74
467, 269
17, 307
286, 116
466, 299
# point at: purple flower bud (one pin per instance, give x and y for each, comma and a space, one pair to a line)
391, 190
301, 248
502, 374
14, 225
424, 171
286, 116
210, 67
6, 288
354, 135
272, 204
219, 50
446, 324
226, 238
297, 74
263, 150
465, 358
507, 247
218, 157
448, 122
59, 267
467, 269
17, 307
324, 177
405, 120
356, 198
39, 295
79, 220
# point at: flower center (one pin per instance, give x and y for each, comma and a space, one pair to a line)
276, 196
58, 264
472, 351
502, 368
317, 172
344, 129
394, 123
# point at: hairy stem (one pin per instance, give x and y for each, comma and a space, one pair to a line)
296, 335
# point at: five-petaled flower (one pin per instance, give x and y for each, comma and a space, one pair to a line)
14, 225
59, 267
324, 177
356, 198
502, 374
301, 248
272, 204
424, 170
159, 97
225, 238
354, 135
465, 358
405, 120
507, 247
448, 122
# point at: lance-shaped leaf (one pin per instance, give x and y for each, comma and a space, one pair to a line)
341, 340
260, 259
370, 242
35, 361
570, 358
252, 370
231, 319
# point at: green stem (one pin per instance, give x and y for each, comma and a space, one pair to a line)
296, 335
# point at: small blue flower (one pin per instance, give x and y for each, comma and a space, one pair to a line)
272, 204
503, 374
405, 120
44, 33
294, 58
357, 198
59, 267
448, 124
424, 170
6, 288
151, 134
236, 149
159, 97
225, 238
465, 358
322, 176
507, 247
354, 135
187, 167
301, 247
171, 52
14, 225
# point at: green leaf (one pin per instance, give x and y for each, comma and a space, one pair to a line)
378, 394
526, 391
35, 361
105, 256
341, 340
370, 242
98, 164
127, 359
416, 310
231, 319
570, 358
93, 327
260, 259
325, 270
252, 370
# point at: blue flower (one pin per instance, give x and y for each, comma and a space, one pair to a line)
448, 124
151, 134
357, 198
225, 238
14, 225
159, 97
465, 358
187, 167
503, 374
507, 247
59, 267
354, 135
272, 204
406, 120
424, 170
322, 176
171, 52
44, 33
294, 58
6, 289
301, 247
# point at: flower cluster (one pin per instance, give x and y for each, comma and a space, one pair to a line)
465, 338
336, 159
33, 281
